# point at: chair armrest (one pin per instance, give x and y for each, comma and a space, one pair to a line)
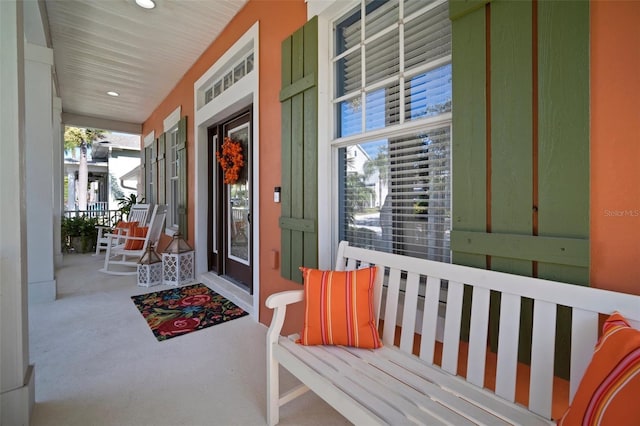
278, 302
284, 298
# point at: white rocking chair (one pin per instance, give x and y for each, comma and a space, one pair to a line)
138, 213
117, 254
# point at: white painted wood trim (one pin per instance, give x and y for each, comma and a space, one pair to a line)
245, 92
172, 119
149, 138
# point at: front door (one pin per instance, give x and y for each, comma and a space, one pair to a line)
231, 205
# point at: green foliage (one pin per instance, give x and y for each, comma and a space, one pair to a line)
126, 203
79, 226
78, 137
79, 230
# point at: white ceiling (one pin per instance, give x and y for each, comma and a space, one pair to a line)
104, 45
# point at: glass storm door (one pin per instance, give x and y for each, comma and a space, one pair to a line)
231, 207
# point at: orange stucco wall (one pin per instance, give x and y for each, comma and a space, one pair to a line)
278, 19
615, 145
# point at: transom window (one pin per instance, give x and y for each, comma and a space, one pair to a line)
229, 77
392, 114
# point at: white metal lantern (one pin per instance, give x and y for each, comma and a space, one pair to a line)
177, 262
149, 268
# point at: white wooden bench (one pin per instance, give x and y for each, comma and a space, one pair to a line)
392, 386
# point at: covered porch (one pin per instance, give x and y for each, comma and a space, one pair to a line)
99, 363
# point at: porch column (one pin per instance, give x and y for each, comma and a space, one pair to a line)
58, 181
39, 163
16, 375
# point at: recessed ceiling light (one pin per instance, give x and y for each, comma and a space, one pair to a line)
146, 4
112, 93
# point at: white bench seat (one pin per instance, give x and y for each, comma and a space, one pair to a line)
387, 386
392, 385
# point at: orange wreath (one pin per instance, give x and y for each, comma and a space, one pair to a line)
231, 160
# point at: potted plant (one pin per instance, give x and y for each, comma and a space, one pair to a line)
79, 233
126, 203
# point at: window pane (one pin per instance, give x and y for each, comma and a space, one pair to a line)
396, 194
427, 38
428, 94
249, 63
238, 72
347, 32
383, 107
348, 74
349, 117
380, 14
382, 57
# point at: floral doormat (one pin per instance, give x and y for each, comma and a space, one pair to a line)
181, 310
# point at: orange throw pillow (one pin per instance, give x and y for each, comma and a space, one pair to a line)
609, 392
136, 244
339, 308
125, 228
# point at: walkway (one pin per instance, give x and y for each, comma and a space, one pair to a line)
97, 363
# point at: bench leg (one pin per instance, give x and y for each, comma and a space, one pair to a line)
273, 387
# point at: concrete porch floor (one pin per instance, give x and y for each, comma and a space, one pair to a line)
98, 363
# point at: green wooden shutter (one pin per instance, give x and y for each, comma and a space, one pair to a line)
162, 172
145, 163
182, 176
521, 146
299, 102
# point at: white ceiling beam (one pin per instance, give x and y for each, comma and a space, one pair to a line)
77, 120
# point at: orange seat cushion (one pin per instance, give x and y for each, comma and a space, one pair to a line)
136, 244
609, 392
339, 308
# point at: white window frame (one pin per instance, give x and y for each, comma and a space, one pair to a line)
328, 13
172, 179
170, 124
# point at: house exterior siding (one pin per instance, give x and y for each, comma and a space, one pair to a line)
606, 163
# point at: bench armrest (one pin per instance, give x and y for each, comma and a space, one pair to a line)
278, 302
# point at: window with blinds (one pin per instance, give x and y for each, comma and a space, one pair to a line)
392, 100
173, 178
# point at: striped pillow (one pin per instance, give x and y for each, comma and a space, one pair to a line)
609, 392
138, 231
339, 308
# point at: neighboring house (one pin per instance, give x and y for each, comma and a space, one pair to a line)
114, 166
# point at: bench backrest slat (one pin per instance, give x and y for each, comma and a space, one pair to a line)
409, 312
453, 318
542, 353
478, 334
391, 306
430, 319
508, 337
407, 294
584, 335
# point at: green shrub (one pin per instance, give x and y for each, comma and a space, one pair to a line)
82, 227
